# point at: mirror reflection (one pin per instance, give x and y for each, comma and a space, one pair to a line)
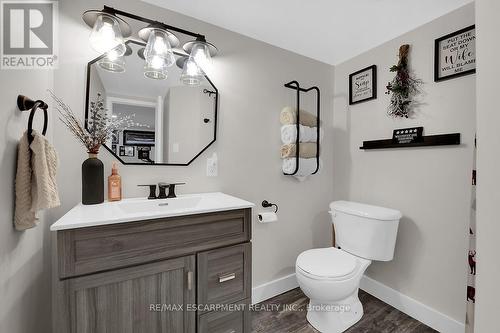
173, 121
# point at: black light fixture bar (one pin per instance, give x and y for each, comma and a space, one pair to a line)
114, 11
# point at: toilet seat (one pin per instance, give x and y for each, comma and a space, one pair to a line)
327, 263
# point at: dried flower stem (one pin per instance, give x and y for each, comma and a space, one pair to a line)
99, 126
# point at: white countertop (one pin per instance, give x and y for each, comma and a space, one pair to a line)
137, 209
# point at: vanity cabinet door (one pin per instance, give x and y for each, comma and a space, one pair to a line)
148, 298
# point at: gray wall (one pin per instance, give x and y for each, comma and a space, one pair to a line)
431, 186
250, 77
24, 256
488, 166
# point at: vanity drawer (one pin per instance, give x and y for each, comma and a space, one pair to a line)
236, 321
94, 249
224, 275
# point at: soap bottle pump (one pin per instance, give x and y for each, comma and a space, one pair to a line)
114, 184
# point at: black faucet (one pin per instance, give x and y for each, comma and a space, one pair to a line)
152, 191
171, 190
162, 190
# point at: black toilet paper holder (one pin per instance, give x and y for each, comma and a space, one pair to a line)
267, 204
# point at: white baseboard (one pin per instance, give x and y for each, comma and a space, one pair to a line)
403, 303
274, 288
432, 318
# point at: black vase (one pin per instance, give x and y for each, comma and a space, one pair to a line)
92, 181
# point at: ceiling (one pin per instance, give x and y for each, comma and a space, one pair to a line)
330, 31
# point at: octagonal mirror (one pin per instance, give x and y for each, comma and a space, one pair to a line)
171, 123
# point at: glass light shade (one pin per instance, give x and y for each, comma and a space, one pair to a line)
155, 68
106, 35
201, 54
158, 47
113, 62
191, 73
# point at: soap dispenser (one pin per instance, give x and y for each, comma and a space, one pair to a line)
114, 184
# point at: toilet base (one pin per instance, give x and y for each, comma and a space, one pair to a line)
335, 317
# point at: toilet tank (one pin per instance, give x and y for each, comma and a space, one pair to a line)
364, 230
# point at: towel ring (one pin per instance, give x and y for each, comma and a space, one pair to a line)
24, 103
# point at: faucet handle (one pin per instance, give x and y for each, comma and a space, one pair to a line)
162, 188
171, 190
152, 191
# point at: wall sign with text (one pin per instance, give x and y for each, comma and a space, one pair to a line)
455, 54
363, 85
407, 135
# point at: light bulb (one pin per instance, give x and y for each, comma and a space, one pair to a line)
156, 62
201, 54
106, 35
112, 62
155, 68
158, 46
113, 55
191, 73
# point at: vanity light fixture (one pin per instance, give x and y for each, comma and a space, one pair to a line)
202, 52
155, 68
108, 31
158, 52
113, 61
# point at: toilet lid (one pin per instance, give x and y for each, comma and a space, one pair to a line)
327, 262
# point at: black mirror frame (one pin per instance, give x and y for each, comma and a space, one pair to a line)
87, 105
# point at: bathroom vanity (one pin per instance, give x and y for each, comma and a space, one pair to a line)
171, 265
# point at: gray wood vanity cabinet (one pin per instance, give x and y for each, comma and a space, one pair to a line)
156, 276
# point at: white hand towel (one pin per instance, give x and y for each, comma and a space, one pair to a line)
24, 217
44, 162
306, 166
289, 134
36, 186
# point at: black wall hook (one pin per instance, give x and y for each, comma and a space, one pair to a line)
209, 92
267, 204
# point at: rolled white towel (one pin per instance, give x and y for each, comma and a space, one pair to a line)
289, 134
306, 166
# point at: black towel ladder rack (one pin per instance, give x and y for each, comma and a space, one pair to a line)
296, 86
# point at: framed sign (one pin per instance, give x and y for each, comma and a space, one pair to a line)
363, 85
455, 54
407, 135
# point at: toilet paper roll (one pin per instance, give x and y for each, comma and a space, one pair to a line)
267, 217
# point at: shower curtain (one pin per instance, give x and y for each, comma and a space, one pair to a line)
471, 257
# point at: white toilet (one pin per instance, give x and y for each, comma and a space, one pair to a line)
330, 277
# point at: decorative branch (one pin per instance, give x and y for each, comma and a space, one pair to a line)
403, 88
100, 127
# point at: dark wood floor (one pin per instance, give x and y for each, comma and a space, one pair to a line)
378, 316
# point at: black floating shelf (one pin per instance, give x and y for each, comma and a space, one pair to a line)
429, 140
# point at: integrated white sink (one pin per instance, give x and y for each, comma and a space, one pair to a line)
129, 210
159, 206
